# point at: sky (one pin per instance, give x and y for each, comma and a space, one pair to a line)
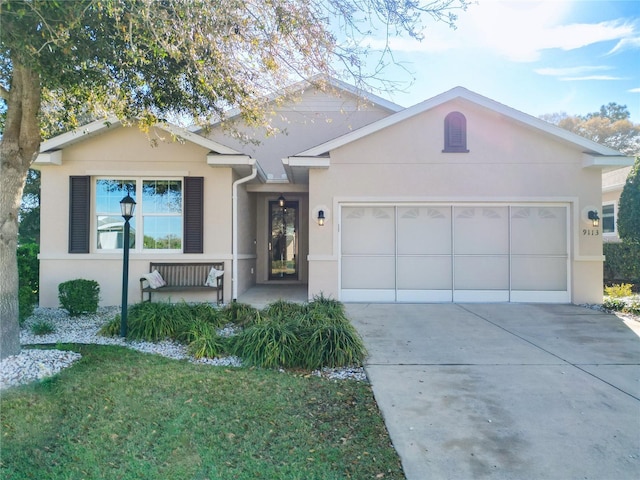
535, 56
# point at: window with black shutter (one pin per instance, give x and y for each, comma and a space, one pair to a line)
193, 214
455, 133
79, 213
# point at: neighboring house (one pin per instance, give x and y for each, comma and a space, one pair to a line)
613, 182
458, 198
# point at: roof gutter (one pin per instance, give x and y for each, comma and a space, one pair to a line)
234, 228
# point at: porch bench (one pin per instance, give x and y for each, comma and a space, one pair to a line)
184, 277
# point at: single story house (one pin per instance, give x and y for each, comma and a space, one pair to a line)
456, 199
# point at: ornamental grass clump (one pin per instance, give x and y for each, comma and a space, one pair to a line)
267, 343
204, 341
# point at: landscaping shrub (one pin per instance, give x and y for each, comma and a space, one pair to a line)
622, 262
28, 279
42, 328
239, 314
267, 344
284, 334
26, 303
79, 296
614, 304
157, 321
618, 290
204, 341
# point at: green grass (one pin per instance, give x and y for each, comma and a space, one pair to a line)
122, 414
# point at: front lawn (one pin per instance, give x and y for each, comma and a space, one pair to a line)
122, 414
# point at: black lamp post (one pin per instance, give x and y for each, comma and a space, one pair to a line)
127, 206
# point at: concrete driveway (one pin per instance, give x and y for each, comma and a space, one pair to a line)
505, 391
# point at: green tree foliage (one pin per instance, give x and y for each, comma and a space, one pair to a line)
610, 126
64, 61
629, 207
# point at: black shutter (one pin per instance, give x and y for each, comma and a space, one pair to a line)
193, 214
79, 213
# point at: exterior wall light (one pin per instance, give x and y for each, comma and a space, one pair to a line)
593, 216
321, 218
281, 201
127, 206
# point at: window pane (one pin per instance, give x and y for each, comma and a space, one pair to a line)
109, 221
110, 192
162, 196
111, 230
162, 233
608, 219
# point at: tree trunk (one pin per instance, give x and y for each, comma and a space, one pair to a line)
18, 148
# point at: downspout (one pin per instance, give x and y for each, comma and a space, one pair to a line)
234, 228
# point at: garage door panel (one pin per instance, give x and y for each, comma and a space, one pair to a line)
481, 273
539, 273
368, 272
481, 230
368, 230
424, 230
539, 230
424, 273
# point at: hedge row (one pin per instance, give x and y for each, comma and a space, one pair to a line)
622, 263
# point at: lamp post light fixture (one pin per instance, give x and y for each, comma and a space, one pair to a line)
593, 216
127, 206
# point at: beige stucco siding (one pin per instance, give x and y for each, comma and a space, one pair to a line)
126, 153
507, 163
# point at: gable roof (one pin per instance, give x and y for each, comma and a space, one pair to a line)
299, 87
589, 146
100, 126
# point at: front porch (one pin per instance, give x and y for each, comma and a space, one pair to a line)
262, 294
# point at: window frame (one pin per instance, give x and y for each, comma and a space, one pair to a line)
138, 215
615, 219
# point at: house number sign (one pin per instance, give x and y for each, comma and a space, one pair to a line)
588, 232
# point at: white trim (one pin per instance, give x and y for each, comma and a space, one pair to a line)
118, 174
482, 296
606, 161
99, 126
524, 296
53, 157
424, 296
366, 295
150, 256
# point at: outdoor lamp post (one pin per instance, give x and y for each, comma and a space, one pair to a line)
127, 206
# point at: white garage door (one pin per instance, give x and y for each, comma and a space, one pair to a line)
434, 253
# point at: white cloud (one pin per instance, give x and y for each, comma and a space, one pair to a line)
561, 72
626, 44
634, 90
590, 77
519, 31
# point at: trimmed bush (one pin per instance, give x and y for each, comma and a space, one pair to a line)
622, 262
79, 296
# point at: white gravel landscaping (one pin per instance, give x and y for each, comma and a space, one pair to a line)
33, 364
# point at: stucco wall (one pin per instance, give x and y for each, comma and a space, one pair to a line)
507, 162
126, 152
